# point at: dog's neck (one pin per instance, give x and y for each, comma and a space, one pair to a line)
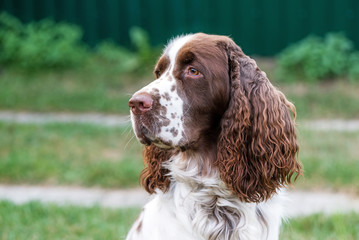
193, 168
201, 197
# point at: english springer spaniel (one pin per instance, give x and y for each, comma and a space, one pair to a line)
220, 145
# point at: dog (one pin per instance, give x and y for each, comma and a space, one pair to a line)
220, 145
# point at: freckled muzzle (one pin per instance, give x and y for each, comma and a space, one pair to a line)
156, 114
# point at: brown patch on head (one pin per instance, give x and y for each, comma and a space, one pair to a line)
162, 66
205, 97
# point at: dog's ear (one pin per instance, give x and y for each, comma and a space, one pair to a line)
257, 147
154, 176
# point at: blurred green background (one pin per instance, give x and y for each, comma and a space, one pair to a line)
82, 56
261, 27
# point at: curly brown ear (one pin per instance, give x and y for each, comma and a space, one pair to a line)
154, 176
257, 146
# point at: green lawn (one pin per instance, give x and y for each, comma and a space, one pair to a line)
75, 91
72, 154
322, 227
42, 221
326, 100
88, 155
87, 90
330, 159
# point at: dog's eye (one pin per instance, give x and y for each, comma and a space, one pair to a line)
158, 73
192, 71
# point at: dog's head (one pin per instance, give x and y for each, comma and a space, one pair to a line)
188, 97
209, 97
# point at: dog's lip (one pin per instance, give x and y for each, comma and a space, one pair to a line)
147, 138
144, 140
162, 145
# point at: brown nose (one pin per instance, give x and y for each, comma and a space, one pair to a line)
140, 103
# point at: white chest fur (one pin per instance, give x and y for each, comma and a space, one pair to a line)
201, 207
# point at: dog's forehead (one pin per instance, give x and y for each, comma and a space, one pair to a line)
202, 44
175, 45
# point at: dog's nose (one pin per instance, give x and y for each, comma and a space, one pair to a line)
140, 103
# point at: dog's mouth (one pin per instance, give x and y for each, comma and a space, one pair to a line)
144, 135
147, 137
148, 131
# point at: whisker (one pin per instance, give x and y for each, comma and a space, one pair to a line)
123, 122
189, 107
184, 114
129, 132
185, 136
126, 131
156, 127
124, 149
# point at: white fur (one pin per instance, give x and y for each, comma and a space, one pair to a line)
174, 46
186, 211
164, 84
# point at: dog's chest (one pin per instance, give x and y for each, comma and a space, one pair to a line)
188, 213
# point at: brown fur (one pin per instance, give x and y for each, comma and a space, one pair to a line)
154, 175
255, 136
257, 146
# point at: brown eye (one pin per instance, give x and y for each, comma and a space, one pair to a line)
158, 73
193, 72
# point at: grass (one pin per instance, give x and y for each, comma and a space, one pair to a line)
89, 155
102, 89
325, 100
320, 226
69, 154
42, 221
330, 159
36, 221
74, 91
